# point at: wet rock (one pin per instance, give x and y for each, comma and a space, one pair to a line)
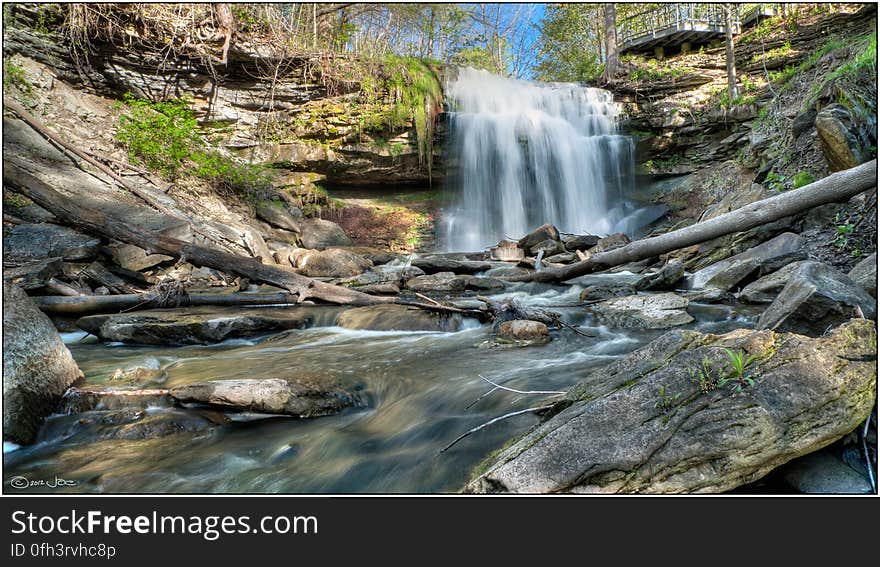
839, 137
80, 400
283, 396
320, 234
385, 274
395, 318
762, 259
607, 291
380, 289
816, 298
436, 264
564, 258
548, 247
484, 284
823, 473
197, 325
708, 295
333, 263
610, 242
37, 367
574, 242
129, 423
643, 425
507, 251
280, 214
26, 243
523, 330
656, 311
440, 282
664, 278
133, 257
540, 234
766, 288
865, 274
505, 273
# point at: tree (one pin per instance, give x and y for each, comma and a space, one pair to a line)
731, 58
611, 60
571, 37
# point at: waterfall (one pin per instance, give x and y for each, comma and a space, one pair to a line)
526, 153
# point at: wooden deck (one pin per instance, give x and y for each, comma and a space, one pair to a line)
679, 23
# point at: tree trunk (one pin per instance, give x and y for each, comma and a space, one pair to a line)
89, 304
731, 58
835, 188
226, 27
611, 62
98, 222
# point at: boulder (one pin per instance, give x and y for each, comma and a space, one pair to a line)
816, 298
320, 234
540, 234
643, 424
484, 284
563, 258
280, 214
803, 122
865, 274
436, 264
37, 367
395, 318
33, 275
440, 282
133, 257
664, 278
823, 473
80, 400
766, 288
654, 311
839, 138
507, 251
762, 259
283, 396
512, 272
610, 242
548, 247
607, 291
333, 263
25, 243
574, 242
524, 330
196, 325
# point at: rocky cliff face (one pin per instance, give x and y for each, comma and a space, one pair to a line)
304, 113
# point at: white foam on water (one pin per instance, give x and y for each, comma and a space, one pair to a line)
9, 446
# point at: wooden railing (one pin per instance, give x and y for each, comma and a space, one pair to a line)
678, 16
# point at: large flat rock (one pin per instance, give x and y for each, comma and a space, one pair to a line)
643, 424
196, 325
284, 396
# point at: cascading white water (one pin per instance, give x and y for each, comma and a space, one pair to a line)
527, 153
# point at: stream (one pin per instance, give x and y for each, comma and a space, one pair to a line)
418, 386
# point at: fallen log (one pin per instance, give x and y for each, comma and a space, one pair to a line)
835, 188
98, 222
89, 304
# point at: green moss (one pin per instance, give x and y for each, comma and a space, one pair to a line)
862, 64
164, 136
14, 75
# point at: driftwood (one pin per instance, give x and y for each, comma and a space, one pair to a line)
147, 196
835, 188
511, 310
83, 305
98, 222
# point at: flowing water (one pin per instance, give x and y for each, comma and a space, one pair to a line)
417, 385
527, 153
